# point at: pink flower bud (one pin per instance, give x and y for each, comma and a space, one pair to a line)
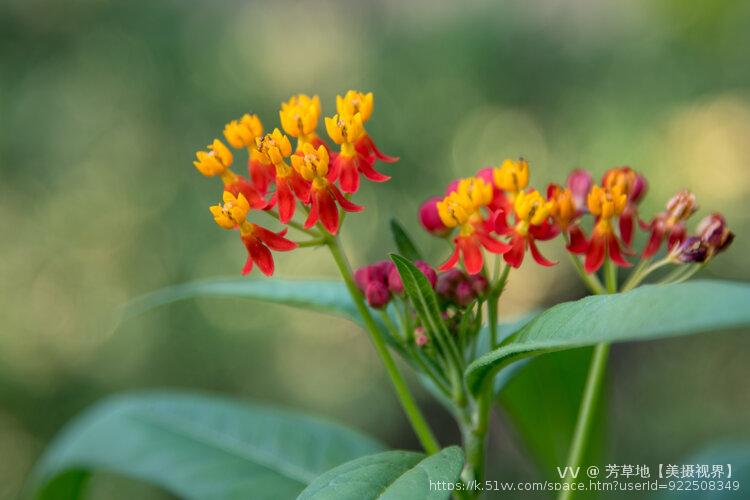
478, 284
430, 219
447, 281
395, 285
428, 271
452, 186
464, 294
420, 337
580, 181
377, 294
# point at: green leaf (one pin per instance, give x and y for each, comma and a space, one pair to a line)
425, 303
393, 475
196, 447
648, 312
405, 245
324, 296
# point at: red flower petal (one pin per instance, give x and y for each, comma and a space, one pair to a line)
275, 241
314, 214
262, 175
626, 226
348, 174
493, 245
452, 260
597, 248
262, 256
578, 243
248, 265
544, 231
347, 205
654, 242
613, 249
472, 252
334, 167
501, 223
676, 235
329, 212
514, 256
365, 146
365, 166
286, 200
538, 257
250, 192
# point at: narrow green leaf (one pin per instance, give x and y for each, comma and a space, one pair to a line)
326, 296
423, 298
648, 312
405, 245
196, 447
393, 475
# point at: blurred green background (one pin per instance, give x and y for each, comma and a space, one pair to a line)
103, 105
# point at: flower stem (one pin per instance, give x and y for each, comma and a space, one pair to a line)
492, 300
590, 280
413, 413
586, 412
591, 392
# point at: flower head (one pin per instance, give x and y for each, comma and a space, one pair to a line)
274, 147
323, 195
605, 205
215, 161
512, 176
257, 240
299, 118
242, 133
532, 212
358, 151
354, 102
462, 208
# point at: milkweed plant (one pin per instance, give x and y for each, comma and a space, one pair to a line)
441, 316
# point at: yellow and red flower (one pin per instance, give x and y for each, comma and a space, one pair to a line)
350, 104
605, 205
299, 118
634, 186
243, 133
670, 223
462, 208
565, 214
532, 213
216, 162
273, 149
258, 240
323, 195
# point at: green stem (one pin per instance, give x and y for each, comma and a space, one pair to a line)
590, 280
591, 392
413, 413
492, 304
585, 420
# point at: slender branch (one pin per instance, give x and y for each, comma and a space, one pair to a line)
296, 225
585, 420
590, 280
591, 392
413, 413
492, 304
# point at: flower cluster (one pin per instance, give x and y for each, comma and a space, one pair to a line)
496, 211
314, 174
